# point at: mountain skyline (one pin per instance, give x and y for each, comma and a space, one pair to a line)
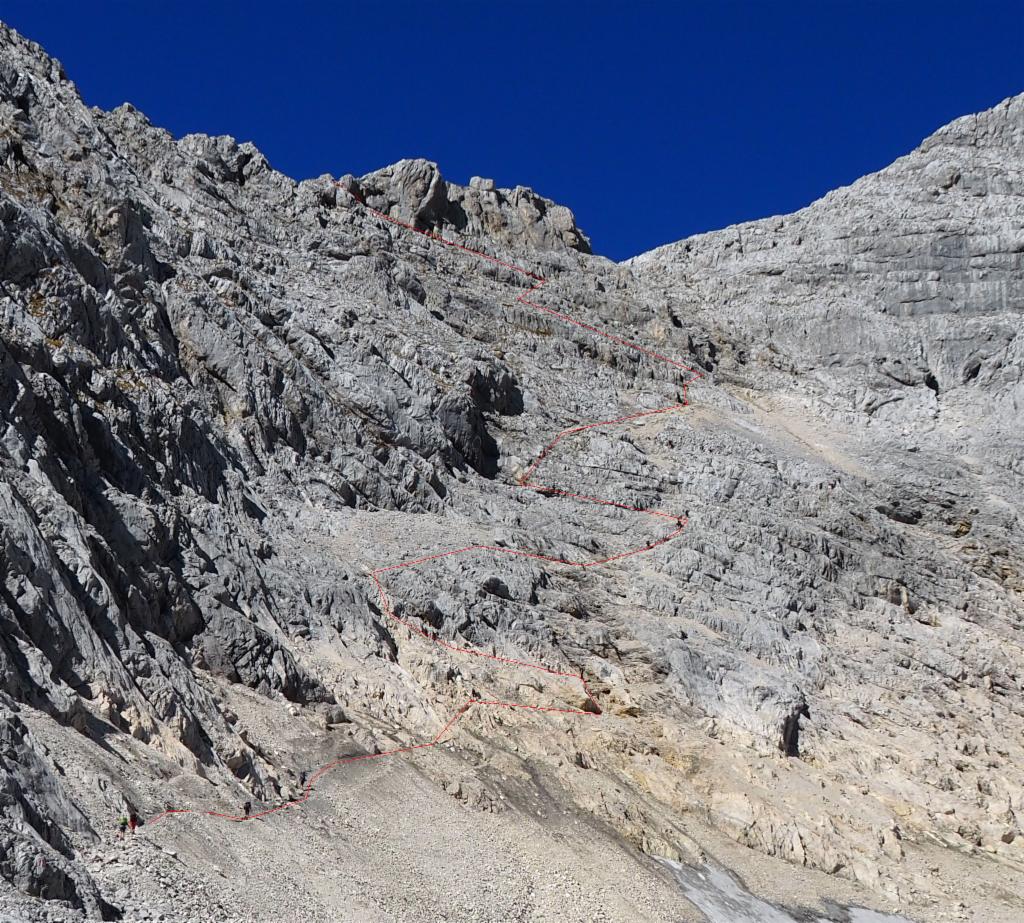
651, 121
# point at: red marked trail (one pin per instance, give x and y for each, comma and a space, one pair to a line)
527, 482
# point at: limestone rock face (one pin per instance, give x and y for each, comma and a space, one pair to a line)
415, 192
227, 397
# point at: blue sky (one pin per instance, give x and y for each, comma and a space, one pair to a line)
651, 121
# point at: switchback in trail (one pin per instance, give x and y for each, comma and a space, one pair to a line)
527, 482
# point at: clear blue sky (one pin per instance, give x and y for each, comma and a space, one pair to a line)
652, 121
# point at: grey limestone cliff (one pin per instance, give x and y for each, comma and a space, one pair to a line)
226, 396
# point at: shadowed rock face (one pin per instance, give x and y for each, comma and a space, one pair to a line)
226, 396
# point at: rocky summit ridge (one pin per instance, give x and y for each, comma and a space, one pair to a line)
227, 397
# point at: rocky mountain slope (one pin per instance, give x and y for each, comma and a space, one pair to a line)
228, 396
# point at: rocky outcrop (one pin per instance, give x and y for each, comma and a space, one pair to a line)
227, 397
37, 823
415, 192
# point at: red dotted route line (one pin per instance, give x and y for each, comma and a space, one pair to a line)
591, 708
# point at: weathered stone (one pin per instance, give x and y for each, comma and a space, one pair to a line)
225, 397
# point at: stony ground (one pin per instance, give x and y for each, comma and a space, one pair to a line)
472, 831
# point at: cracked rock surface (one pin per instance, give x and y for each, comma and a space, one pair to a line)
227, 396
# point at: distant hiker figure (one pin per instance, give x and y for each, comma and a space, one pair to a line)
122, 825
133, 821
246, 808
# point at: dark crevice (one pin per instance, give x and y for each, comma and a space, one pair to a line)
790, 743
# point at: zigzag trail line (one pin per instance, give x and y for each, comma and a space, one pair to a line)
591, 708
